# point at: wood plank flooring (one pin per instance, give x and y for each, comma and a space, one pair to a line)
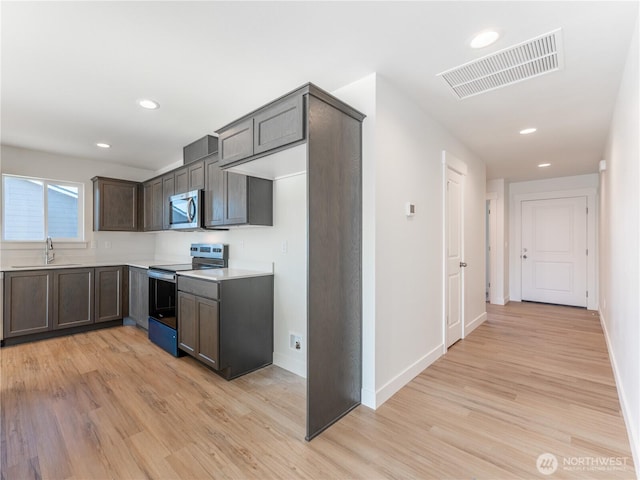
109, 404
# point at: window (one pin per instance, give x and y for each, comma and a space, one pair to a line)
37, 208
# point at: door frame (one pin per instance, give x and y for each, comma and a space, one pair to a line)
492, 234
515, 291
451, 162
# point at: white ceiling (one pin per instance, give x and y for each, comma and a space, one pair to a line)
72, 72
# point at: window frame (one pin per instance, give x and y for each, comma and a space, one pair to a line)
45, 189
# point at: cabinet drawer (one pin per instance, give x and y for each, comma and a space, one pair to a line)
200, 288
278, 125
236, 142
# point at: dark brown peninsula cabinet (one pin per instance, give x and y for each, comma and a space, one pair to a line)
38, 303
332, 132
227, 325
116, 205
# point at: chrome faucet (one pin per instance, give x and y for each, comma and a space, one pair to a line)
49, 256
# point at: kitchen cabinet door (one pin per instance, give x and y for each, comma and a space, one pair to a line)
208, 332
115, 205
187, 323
235, 196
182, 180
196, 175
73, 297
28, 302
168, 189
280, 124
147, 221
214, 194
157, 210
139, 296
153, 201
236, 143
108, 294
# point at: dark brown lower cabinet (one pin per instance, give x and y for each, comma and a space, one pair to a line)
72, 297
139, 296
108, 294
208, 328
198, 328
227, 325
187, 326
28, 302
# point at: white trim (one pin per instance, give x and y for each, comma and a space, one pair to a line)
493, 243
450, 162
475, 323
368, 398
454, 163
634, 436
395, 384
515, 289
290, 364
502, 300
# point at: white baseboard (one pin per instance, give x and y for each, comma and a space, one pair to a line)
634, 436
290, 364
500, 300
368, 398
400, 380
475, 323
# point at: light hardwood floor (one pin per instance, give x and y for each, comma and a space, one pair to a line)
108, 404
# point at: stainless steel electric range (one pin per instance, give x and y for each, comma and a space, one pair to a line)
163, 289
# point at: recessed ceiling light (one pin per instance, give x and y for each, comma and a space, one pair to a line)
484, 39
527, 131
543, 165
103, 145
148, 104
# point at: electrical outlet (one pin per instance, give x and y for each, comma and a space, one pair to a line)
285, 247
295, 341
107, 244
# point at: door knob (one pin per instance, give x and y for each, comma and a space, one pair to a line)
524, 256
463, 264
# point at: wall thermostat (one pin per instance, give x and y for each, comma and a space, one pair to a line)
410, 209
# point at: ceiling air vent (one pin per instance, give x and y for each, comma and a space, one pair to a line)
526, 60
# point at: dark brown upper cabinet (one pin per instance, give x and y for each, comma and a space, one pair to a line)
277, 125
190, 177
232, 199
116, 205
168, 189
153, 204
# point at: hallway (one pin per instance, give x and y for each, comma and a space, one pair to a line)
533, 379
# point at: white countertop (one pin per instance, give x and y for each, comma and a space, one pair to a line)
221, 274
82, 263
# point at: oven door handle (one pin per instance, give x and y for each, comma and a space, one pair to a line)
167, 276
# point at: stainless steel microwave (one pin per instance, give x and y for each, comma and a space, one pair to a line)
185, 211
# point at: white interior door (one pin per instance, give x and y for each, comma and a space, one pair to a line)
554, 251
454, 257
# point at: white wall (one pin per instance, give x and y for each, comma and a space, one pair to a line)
560, 187
102, 245
500, 286
619, 246
262, 247
403, 292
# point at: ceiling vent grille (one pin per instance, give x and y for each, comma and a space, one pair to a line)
526, 60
